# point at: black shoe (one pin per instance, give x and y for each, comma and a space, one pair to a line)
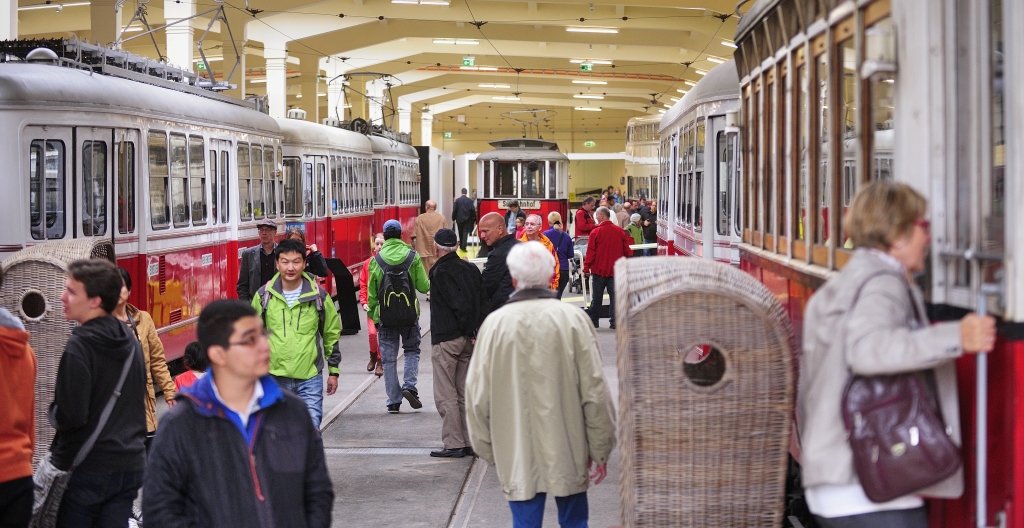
413, 397
596, 324
448, 453
393, 408
468, 451
611, 325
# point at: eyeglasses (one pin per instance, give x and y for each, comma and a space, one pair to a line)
253, 338
924, 224
263, 229
532, 224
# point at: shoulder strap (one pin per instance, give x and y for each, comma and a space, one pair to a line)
131, 323
264, 294
381, 263
87, 446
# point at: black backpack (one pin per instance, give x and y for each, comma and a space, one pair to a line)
396, 296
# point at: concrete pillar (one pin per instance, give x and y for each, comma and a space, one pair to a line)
237, 19
426, 128
180, 46
375, 97
309, 69
8, 19
404, 116
105, 21
277, 82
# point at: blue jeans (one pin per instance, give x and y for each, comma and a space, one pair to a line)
99, 500
388, 338
650, 252
572, 511
599, 284
310, 391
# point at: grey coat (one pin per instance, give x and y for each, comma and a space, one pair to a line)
249, 279
880, 334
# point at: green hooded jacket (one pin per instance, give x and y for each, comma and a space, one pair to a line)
394, 252
296, 351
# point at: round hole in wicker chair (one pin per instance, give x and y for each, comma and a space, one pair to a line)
704, 365
33, 305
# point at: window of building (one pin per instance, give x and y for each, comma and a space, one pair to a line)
94, 188
46, 189
159, 207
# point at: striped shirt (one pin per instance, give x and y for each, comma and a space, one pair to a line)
292, 296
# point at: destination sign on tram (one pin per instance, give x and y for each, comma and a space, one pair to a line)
523, 204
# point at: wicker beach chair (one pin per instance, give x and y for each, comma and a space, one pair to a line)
32, 287
706, 393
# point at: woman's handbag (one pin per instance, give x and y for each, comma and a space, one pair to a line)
50, 482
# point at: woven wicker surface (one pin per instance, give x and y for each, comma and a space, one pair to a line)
29, 273
711, 455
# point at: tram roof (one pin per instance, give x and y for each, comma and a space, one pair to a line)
722, 82
55, 87
645, 119
299, 132
752, 16
523, 149
383, 145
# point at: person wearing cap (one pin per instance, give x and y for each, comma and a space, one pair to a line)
458, 291
258, 263
394, 252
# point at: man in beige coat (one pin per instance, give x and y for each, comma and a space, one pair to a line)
427, 224
538, 372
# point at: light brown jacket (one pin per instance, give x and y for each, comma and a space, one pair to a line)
880, 334
427, 224
156, 363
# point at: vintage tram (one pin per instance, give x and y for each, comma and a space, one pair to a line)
642, 156
531, 171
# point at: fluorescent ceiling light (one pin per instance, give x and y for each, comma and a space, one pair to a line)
716, 60
257, 81
211, 59
673, 99
667, 105
579, 29
490, 85
52, 6
405, 1
487, 68
589, 82
460, 42
680, 90
660, 111
588, 109
689, 83
588, 96
729, 44
505, 98
434, 2
700, 72
579, 61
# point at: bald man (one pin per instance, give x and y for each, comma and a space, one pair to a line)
427, 224
497, 279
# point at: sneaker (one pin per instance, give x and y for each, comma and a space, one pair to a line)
611, 325
393, 408
413, 397
448, 453
468, 451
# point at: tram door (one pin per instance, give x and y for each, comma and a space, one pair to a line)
124, 203
49, 191
315, 192
95, 151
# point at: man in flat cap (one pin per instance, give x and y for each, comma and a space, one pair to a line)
455, 315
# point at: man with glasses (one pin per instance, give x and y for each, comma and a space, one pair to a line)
237, 450
258, 262
531, 232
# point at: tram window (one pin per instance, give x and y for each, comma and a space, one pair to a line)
506, 174
159, 208
214, 183
307, 190
94, 188
848, 134
487, 180
126, 187
754, 172
269, 182
292, 169
533, 179
392, 184
197, 179
46, 189
993, 209
179, 180
244, 183
882, 87
378, 187
225, 208
748, 149
256, 177
737, 179
723, 189
553, 170
321, 190
335, 186
819, 196
802, 97
698, 193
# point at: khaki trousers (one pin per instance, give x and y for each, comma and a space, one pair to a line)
428, 262
450, 363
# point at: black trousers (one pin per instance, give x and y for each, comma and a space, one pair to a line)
598, 285
913, 518
465, 228
563, 280
16, 502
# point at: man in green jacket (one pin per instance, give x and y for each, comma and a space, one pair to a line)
304, 328
409, 275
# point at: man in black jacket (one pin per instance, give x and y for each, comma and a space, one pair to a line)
463, 215
454, 318
497, 280
237, 450
103, 486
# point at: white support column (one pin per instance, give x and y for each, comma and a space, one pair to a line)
404, 116
8, 19
179, 36
277, 82
426, 128
335, 88
374, 97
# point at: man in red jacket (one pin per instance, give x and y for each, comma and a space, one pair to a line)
17, 420
584, 221
608, 243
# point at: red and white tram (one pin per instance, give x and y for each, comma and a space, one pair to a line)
396, 178
532, 171
642, 156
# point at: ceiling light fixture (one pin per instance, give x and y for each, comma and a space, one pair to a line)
588, 96
602, 62
660, 111
689, 83
422, 2
680, 90
459, 42
673, 99
700, 72
505, 98
589, 82
491, 85
584, 29
56, 6
405, 1
729, 44
667, 105
588, 109
716, 60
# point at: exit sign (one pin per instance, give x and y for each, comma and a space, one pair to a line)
588, 143
469, 61
447, 135
586, 66
201, 66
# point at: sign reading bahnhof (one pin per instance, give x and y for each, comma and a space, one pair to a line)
523, 204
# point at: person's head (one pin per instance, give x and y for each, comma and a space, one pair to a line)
588, 203
602, 214
430, 205
126, 287
611, 201
378, 242
445, 241
555, 220
654, 206
635, 218
610, 189
290, 256
464, 191
194, 357
520, 222
267, 230
531, 265
513, 205
91, 289
617, 208
492, 228
232, 336
533, 225
297, 234
392, 229
603, 202
889, 216
626, 206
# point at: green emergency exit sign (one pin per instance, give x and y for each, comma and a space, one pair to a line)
201, 66
447, 135
469, 61
588, 143
586, 66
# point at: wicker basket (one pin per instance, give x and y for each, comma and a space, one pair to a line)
32, 287
706, 391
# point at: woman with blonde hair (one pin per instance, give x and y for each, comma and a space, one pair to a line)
563, 248
869, 321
